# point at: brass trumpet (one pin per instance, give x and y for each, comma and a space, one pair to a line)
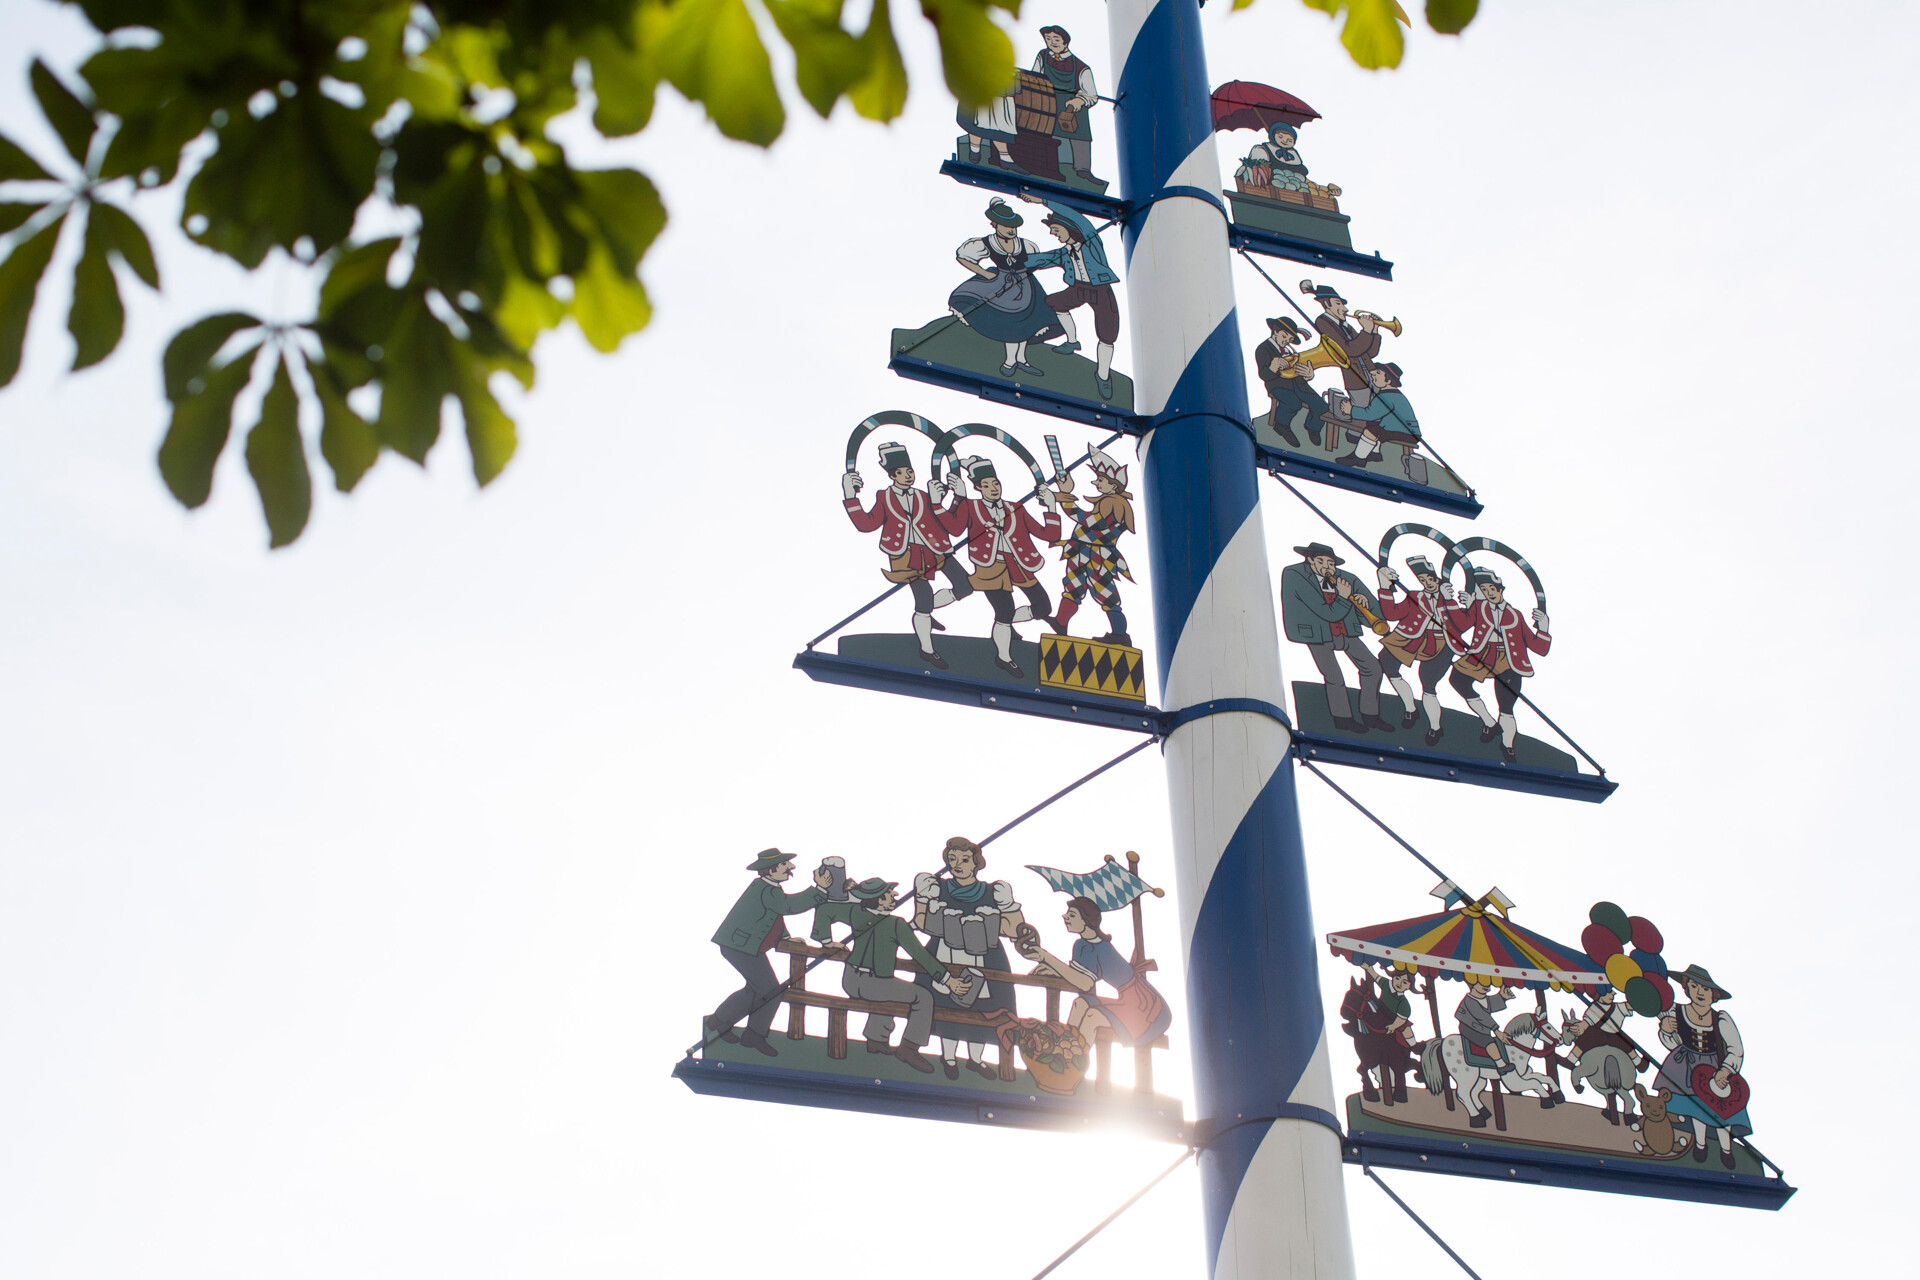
1393, 326
1380, 626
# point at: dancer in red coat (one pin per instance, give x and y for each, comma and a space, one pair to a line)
1426, 630
1499, 646
999, 535
914, 538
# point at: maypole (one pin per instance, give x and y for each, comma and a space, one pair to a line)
1275, 1200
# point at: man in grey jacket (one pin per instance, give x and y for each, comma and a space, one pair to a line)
1320, 608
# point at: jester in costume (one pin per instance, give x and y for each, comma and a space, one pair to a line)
1094, 562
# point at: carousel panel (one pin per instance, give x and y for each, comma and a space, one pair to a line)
1000, 1020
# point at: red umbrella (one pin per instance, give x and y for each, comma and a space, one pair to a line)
1245, 104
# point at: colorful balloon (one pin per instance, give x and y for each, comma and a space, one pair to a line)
1644, 936
1606, 913
1643, 995
1666, 992
1599, 942
1620, 971
1649, 961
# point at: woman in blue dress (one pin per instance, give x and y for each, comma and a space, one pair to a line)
964, 918
1003, 301
1135, 1012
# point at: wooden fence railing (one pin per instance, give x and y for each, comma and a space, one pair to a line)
800, 999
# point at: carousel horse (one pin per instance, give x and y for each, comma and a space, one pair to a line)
1365, 1019
1607, 1067
1470, 1080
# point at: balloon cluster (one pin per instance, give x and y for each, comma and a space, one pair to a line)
1638, 974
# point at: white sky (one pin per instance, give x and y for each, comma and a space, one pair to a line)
354, 900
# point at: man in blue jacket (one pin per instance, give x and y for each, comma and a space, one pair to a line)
1082, 260
1320, 608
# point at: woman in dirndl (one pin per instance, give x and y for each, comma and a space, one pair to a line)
1275, 163
1003, 301
1135, 1013
1698, 1035
964, 918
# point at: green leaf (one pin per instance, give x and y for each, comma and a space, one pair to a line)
882, 93
626, 207
624, 79
277, 460
71, 118
348, 441
202, 420
418, 375
19, 283
711, 51
1450, 17
97, 318
354, 271
491, 437
300, 171
14, 215
608, 304
17, 166
154, 140
526, 310
827, 59
194, 347
976, 55
124, 236
1372, 33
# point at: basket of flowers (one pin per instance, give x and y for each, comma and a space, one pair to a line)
1054, 1053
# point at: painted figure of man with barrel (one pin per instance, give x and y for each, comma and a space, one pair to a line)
1074, 94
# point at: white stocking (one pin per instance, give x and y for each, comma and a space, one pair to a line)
1508, 730
1366, 447
1480, 709
1020, 353
1066, 322
1023, 614
1003, 641
1014, 352
1432, 703
1105, 352
1405, 690
943, 597
923, 628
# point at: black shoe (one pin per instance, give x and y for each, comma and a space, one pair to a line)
1433, 736
1116, 637
754, 1040
1726, 1159
1286, 435
1508, 754
1400, 1093
1346, 724
879, 1046
1491, 732
1375, 722
933, 660
1369, 1094
1053, 624
1010, 668
909, 1053
1549, 1102
984, 1069
1479, 1121
1029, 370
1699, 1154
953, 1072
936, 624
1412, 719
713, 1028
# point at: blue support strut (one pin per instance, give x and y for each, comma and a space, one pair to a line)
1274, 1196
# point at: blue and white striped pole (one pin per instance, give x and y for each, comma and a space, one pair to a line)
1275, 1203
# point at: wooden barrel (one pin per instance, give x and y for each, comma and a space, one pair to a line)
1035, 106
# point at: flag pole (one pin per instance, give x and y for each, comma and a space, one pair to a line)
1275, 1199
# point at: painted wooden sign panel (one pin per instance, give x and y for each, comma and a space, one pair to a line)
1420, 638
1037, 137
997, 338
1356, 430
1278, 209
1563, 1087
959, 996
962, 546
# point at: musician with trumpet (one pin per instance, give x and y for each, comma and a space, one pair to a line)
1287, 376
1351, 349
1329, 612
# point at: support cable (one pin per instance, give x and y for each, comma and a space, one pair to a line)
1431, 1233
895, 589
1071, 787
1374, 559
1107, 1221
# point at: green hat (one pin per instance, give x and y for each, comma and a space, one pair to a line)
1002, 214
1699, 974
872, 887
768, 859
979, 469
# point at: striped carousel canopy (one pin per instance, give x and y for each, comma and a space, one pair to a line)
1473, 937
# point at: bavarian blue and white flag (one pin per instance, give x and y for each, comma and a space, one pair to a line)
1111, 886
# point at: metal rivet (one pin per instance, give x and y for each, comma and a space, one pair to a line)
993, 699
1423, 1159
989, 1115
876, 1082
1513, 1173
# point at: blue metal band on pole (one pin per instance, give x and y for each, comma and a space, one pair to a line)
1221, 706
1275, 1200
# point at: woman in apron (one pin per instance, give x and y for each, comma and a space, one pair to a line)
1698, 1036
1003, 301
964, 918
1135, 1012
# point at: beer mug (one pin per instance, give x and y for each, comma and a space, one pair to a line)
973, 931
837, 886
